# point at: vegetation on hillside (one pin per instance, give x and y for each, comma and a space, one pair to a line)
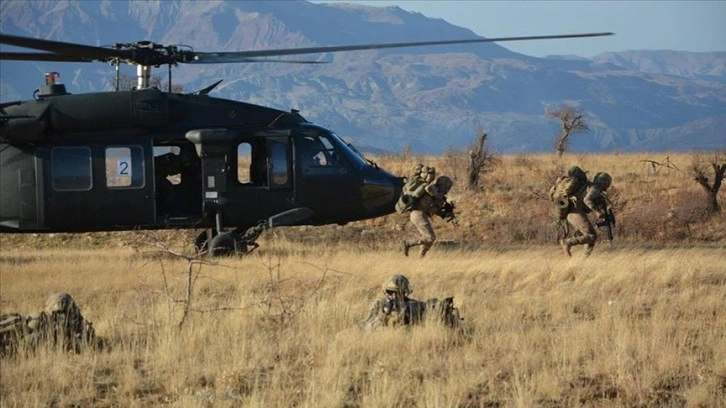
656, 200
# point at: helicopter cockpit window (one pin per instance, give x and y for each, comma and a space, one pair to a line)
71, 168
124, 167
317, 153
252, 163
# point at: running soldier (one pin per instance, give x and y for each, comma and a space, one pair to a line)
593, 199
432, 201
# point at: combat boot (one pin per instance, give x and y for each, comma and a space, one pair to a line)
565, 247
405, 247
424, 249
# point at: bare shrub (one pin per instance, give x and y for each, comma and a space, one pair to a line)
688, 208
644, 220
699, 168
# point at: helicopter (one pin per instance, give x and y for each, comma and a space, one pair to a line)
149, 159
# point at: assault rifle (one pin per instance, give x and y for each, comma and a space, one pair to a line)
447, 212
390, 305
608, 221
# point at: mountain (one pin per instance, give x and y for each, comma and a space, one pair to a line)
428, 98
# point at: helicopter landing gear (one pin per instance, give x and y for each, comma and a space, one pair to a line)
225, 244
229, 243
243, 242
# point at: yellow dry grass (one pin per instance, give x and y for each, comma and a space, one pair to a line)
624, 327
638, 324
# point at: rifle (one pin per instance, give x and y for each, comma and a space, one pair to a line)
447, 212
608, 221
389, 306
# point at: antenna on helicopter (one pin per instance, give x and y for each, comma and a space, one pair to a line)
52, 86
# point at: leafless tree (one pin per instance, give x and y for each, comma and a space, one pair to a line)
479, 159
700, 166
572, 121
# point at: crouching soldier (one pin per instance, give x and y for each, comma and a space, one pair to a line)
397, 309
59, 324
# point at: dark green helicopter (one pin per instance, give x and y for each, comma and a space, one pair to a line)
152, 159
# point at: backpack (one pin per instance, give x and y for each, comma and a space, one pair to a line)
572, 184
419, 177
12, 330
443, 311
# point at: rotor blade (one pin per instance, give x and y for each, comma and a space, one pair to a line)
63, 48
223, 58
244, 56
41, 56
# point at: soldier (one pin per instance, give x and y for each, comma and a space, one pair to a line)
432, 201
593, 200
60, 323
397, 309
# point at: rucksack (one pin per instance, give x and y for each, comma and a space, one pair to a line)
419, 177
570, 185
443, 311
12, 330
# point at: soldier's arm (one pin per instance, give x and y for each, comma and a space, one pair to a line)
375, 318
553, 188
593, 199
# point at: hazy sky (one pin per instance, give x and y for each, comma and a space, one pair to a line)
638, 25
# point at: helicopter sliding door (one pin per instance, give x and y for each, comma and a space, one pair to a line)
261, 181
97, 187
19, 209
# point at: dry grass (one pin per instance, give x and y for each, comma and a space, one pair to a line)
639, 324
625, 327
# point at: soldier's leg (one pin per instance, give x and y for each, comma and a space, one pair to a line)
426, 231
586, 232
415, 217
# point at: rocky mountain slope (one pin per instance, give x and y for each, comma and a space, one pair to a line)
428, 98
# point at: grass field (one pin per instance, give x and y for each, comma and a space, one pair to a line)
641, 323
634, 327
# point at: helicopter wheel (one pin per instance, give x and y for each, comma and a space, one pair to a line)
226, 244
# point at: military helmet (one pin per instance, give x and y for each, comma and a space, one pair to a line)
444, 183
397, 283
60, 302
603, 179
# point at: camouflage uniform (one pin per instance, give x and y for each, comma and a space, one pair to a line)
59, 323
593, 200
397, 309
427, 205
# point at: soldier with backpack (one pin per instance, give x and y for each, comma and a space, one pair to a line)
574, 199
59, 324
423, 196
397, 309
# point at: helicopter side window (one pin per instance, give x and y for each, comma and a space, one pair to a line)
168, 163
279, 160
252, 163
124, 167
71, 168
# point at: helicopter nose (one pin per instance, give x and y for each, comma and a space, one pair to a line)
380, 191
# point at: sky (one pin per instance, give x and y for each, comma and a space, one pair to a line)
698, 26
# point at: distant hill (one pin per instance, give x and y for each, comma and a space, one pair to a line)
428, 98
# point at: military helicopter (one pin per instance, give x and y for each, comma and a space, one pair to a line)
152, 159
